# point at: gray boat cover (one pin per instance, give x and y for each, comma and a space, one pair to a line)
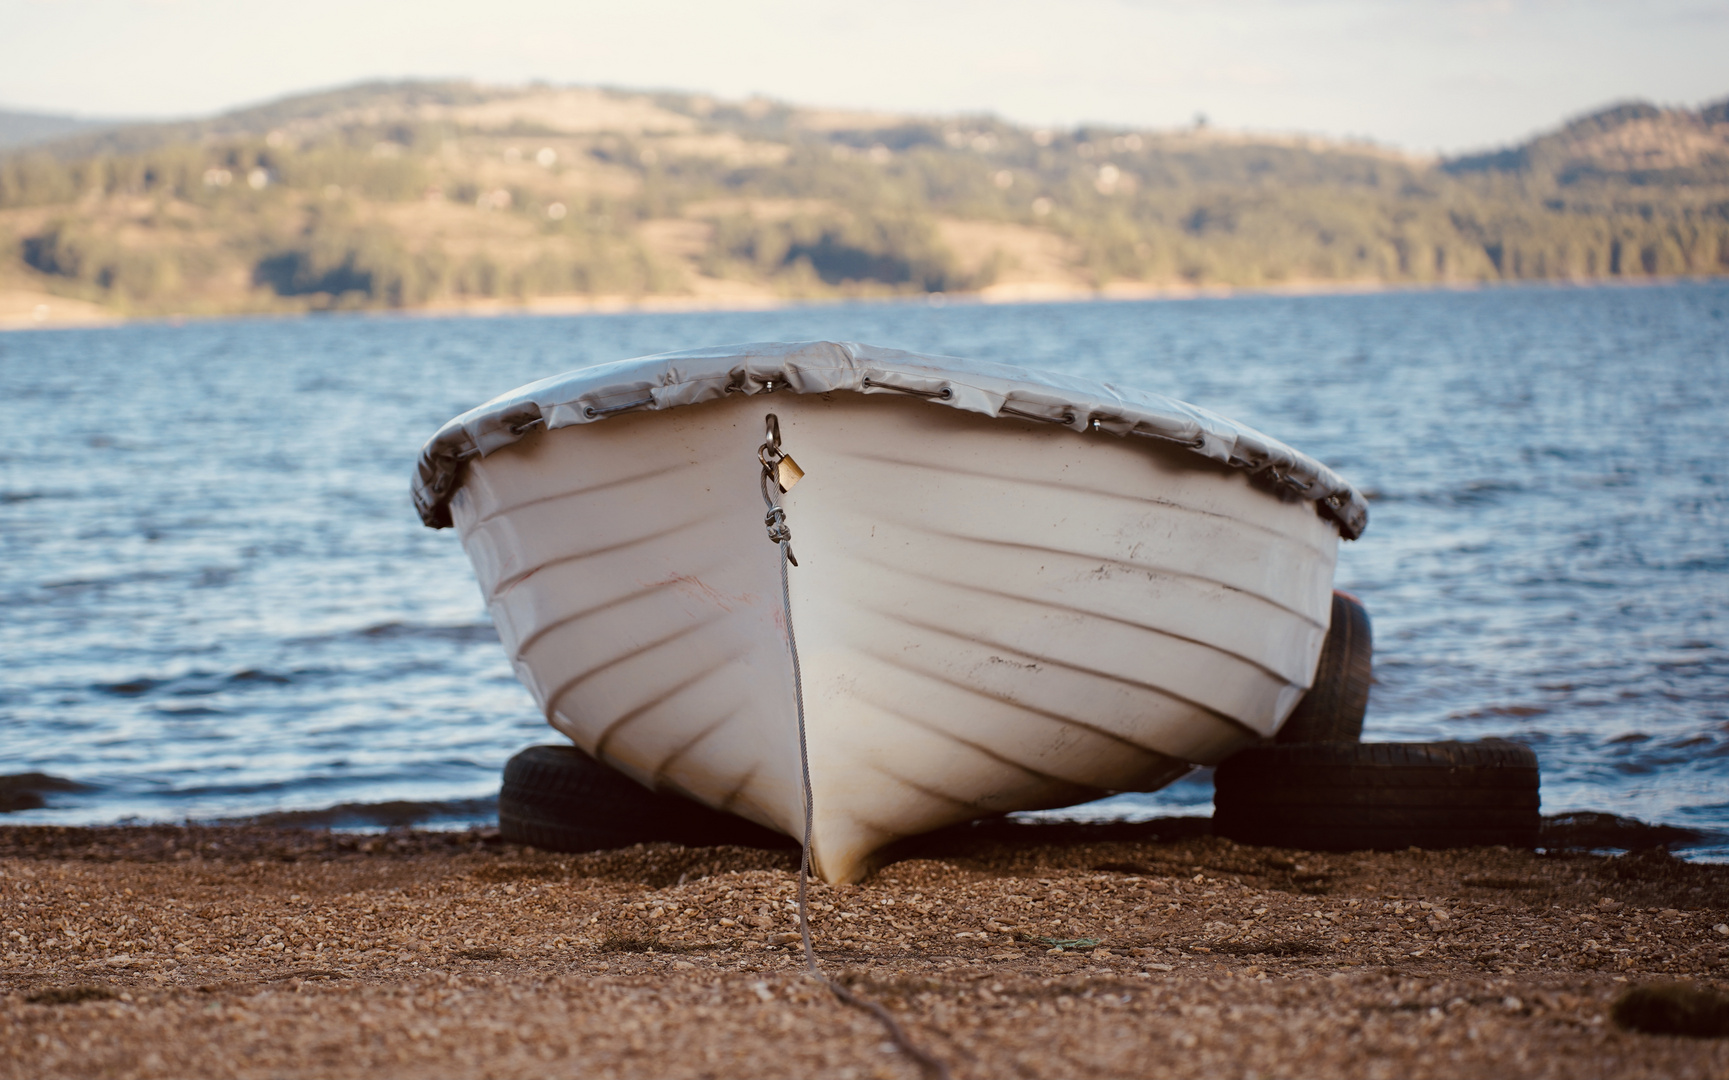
668, 380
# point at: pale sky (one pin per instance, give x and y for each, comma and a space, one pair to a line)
1423, 75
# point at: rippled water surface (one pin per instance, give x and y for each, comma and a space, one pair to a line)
216, 600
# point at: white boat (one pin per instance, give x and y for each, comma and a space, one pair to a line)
1014, 590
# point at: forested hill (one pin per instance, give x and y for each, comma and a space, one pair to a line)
1634, 143
436, 194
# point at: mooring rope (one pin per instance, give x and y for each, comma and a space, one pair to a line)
781, 536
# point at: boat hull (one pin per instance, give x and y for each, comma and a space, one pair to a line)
992, 614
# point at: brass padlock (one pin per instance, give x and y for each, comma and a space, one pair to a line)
787, 473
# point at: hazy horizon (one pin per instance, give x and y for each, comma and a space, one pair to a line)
1444, 76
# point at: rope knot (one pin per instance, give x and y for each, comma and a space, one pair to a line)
771, 457
778, 532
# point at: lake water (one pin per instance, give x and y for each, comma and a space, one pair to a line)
216, 600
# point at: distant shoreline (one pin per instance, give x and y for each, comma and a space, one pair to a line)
451, 198
22, 311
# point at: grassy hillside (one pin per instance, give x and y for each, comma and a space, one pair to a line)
413, 195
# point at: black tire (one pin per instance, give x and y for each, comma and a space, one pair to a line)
1333, 709
1378, 796
559, 799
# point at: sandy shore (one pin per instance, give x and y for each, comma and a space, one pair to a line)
26, 309
246, 951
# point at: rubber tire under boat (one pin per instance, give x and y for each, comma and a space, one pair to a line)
1380, 796
1333, 708
559, 799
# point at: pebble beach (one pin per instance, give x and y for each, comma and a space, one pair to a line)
1150, 950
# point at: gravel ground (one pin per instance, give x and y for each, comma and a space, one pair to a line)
1065, 951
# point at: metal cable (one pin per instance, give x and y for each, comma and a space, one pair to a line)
781, 536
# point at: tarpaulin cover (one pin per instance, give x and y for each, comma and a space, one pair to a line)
668, 380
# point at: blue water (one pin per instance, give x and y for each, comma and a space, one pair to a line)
216, 600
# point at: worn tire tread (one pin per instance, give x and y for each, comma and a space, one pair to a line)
1356, 796
1333, 708
559, 799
